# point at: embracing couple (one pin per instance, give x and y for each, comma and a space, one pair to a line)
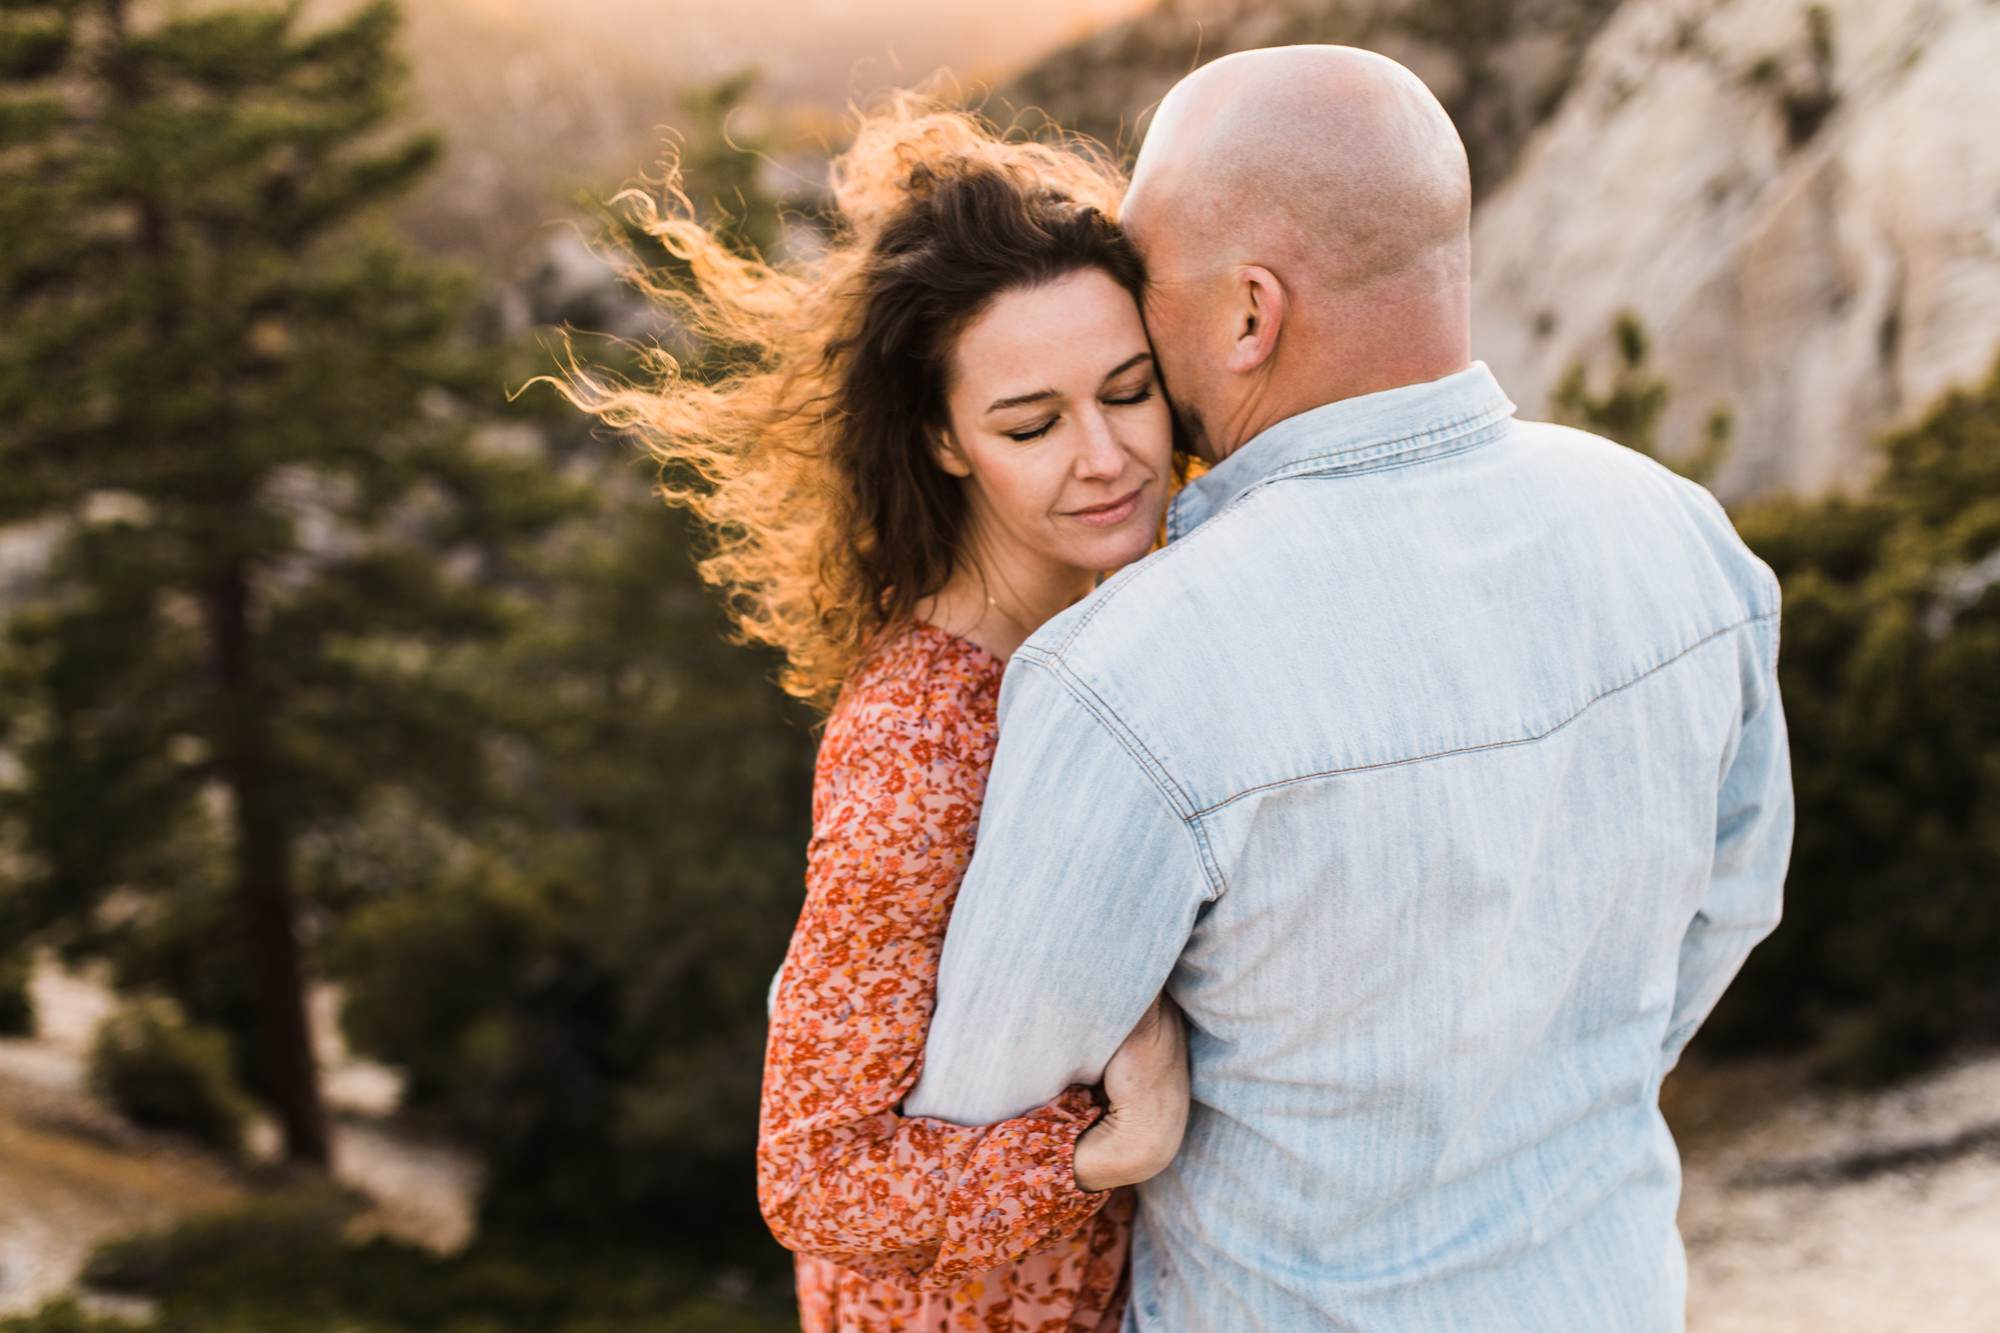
1432, 767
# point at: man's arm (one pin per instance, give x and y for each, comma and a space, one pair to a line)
1084, 887
1753, 845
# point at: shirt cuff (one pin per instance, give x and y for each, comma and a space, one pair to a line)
1029, 1197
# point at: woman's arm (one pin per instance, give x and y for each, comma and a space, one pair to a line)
840, 1173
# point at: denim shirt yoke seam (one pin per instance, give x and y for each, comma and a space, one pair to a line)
1107, 594
1585, 707
1469, 430
1177, 799
1375, 467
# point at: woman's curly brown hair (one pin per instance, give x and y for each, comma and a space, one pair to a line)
811, 468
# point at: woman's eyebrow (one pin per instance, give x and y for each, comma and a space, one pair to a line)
1040, 395
1127, 364
1018, 399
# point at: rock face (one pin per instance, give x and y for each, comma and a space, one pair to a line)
1800, 203
1497, 65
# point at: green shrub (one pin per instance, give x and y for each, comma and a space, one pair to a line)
281, 1265
584, 1009
65, 1316
161, 1072
17, 1004
1884, 961
262, 1233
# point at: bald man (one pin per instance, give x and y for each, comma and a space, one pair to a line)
1435, 768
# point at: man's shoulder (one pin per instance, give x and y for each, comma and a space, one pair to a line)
1126, 620
1186, 585
1208, 596
1644, 481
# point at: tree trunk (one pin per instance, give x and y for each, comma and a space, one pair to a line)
264, 874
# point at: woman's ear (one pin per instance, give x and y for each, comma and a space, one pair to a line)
1259, 313
948, 455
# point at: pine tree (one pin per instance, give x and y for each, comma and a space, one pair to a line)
242, 409
582, 996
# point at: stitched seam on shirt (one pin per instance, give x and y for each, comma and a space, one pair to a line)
1588, 704
1473, 427
1477, 426
1090, 612
1379, 467
1286, 473
1176, 799
1374, 467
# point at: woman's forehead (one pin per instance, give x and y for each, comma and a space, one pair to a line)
1063, 334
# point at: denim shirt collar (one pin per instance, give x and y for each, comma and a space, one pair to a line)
1376, 430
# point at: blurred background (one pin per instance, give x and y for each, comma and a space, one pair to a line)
393, 850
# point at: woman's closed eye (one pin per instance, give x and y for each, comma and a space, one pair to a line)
1027, 433
1124, 397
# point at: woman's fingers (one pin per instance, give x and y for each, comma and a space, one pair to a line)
1146, 1084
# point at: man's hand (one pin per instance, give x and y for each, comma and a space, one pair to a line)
1146, 1084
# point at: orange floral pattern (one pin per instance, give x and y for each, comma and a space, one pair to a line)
904, 1224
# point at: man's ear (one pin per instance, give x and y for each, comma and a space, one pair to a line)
945, 450
1259, 313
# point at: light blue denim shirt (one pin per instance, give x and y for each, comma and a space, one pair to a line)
1436, 769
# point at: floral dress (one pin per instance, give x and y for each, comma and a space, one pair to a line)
905, 1224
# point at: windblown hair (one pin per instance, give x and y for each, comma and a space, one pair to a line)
811, 466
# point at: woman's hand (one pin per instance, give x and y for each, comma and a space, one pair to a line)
1147, 1086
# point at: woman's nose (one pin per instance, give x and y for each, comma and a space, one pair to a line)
1098, 454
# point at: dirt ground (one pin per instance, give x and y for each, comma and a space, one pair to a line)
1824, 1212
72, 1174
1804, 1211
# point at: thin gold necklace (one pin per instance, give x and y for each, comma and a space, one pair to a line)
1011, 618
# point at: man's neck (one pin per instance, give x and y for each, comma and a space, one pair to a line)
1275, 403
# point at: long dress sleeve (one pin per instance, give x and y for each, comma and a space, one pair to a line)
841, 1174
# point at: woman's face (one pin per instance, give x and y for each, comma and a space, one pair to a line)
1058, 426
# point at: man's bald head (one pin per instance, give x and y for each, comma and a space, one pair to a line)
1335, 161
1335, 171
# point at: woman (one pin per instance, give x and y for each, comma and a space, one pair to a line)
939, 438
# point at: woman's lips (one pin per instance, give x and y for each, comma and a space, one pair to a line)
1109, 514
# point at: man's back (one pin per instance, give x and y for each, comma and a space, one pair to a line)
1463, 723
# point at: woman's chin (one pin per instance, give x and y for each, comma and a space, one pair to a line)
1109, 551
